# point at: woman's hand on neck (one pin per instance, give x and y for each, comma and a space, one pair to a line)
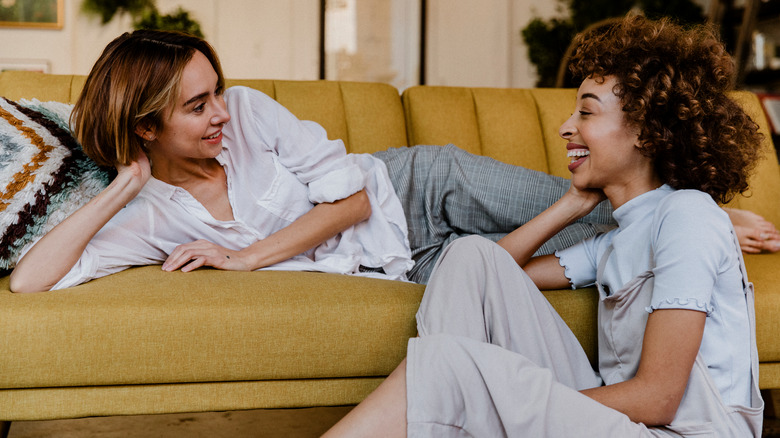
137, 172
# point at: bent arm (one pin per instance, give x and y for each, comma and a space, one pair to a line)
522, 243
53, 256
671, 343
319, 224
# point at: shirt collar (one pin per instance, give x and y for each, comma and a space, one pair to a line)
162, 188
640, 206
168, 190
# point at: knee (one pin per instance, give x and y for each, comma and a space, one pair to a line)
442, 348
473, 247
471, 242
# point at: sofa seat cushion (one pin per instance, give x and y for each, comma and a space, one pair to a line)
763, 273
144, 326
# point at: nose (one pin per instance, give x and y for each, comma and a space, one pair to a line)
567, 129
221, 115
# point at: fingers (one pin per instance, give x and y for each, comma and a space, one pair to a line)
138, 171
193, 264
200, 253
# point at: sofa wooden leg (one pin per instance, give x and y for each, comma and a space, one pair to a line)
5, 427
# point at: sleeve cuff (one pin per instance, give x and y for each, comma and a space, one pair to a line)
680, 303
337, 184
578, 274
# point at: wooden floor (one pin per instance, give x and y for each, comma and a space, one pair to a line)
771, 428
288, 423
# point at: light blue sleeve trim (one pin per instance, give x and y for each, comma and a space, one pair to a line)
681, 303
566, 271
577, 273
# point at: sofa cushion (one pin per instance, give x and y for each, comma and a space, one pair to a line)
44, 175
762, 272
502, 124
762, 197
17, 85
147, 326
367, 117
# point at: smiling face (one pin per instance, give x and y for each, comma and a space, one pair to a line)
602, 145
192, 130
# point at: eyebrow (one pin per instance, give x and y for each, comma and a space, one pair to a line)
196, 98
590, 96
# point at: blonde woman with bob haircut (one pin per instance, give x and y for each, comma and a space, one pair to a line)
132, 85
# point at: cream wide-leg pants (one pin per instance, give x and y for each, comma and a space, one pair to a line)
494, 359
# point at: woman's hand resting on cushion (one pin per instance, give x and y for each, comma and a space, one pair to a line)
193, 255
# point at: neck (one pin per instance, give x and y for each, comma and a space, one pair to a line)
183, 172
621, 194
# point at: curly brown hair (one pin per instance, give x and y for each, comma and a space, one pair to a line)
672, 83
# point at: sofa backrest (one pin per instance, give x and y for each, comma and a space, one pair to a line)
517, 126
500, 123
368, 117
520, 126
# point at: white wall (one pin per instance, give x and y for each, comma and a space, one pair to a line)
470, 42
254, 38
479, 42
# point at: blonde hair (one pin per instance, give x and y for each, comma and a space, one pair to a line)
134, 80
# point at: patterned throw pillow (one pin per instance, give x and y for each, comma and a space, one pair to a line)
44, 175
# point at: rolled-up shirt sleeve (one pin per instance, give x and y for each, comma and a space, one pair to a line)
302, 147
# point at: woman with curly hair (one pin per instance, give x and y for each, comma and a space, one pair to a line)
655, 133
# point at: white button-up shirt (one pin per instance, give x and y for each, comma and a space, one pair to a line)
278, 168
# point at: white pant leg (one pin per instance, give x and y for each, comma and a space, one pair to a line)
458, 387
478, 291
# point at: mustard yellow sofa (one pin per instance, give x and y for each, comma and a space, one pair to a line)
144, 341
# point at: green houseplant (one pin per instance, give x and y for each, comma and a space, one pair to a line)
145, 15
547, 40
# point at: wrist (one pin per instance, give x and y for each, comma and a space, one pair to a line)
570, 209
252, 257
126, 185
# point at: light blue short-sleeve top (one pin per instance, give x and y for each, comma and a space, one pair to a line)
686, 239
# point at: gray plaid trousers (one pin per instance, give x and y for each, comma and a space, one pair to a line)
449, 193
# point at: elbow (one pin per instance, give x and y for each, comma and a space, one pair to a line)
663, 417
19, 285
663, 412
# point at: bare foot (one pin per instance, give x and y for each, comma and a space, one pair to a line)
755, 233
